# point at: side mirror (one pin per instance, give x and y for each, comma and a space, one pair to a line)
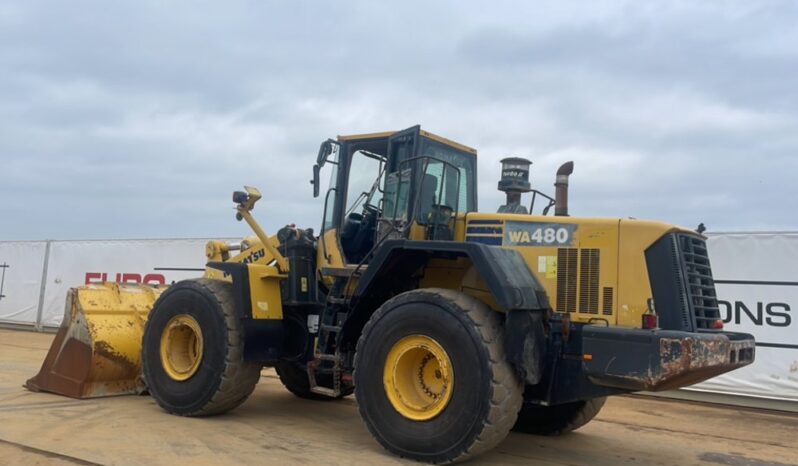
324, 151
315, 180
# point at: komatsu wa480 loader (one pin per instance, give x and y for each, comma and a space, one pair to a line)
451, 326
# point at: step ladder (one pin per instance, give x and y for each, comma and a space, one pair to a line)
328, 331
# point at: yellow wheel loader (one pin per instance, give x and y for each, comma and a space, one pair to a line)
450, 326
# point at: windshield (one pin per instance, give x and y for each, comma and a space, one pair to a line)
365, 173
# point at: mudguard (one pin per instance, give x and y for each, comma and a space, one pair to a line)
504, 270
513, 285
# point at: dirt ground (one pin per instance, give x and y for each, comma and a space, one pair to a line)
274, 427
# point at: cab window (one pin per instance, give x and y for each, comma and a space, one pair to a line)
462, 186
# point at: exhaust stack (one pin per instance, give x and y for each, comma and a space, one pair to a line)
561, 189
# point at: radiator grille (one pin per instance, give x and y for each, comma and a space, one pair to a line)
681, 295
589, 281
566, 279
608, 300
700, 286
681, 283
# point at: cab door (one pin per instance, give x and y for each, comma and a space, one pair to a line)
402, 146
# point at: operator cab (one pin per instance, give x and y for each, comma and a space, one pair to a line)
407, 184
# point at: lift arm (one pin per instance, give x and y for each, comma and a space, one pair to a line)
246, 202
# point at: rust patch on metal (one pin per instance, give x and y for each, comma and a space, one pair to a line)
73, 369
688, 361
66, 365
103, 349
94, 352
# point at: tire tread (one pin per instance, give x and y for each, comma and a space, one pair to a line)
238, 377
558, 419
506, 388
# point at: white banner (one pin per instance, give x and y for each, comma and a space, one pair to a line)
74, 263
756, 276
21, 265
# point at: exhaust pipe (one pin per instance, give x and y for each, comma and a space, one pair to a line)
561, 189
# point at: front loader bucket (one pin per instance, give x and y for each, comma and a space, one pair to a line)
97, 350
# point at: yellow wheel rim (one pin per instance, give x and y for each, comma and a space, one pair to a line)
181, 347
418, 377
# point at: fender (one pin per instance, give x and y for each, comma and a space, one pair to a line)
263, 338
504, 270
513, 285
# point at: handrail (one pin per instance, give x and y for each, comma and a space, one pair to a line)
323, 221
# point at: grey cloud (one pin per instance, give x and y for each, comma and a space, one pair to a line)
734, 51
137, 119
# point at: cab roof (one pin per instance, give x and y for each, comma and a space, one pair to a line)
427, 134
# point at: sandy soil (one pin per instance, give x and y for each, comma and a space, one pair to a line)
274, 427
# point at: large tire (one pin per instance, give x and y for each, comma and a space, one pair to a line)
485, 392
557, 419
221, 380
294, 377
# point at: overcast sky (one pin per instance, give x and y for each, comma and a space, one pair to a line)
138, 119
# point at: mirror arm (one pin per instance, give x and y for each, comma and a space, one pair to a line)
323, 231
315, 180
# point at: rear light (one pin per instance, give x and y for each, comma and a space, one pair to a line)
650, 321
718, 324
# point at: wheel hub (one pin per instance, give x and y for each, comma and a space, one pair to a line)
181, 347
418, 377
